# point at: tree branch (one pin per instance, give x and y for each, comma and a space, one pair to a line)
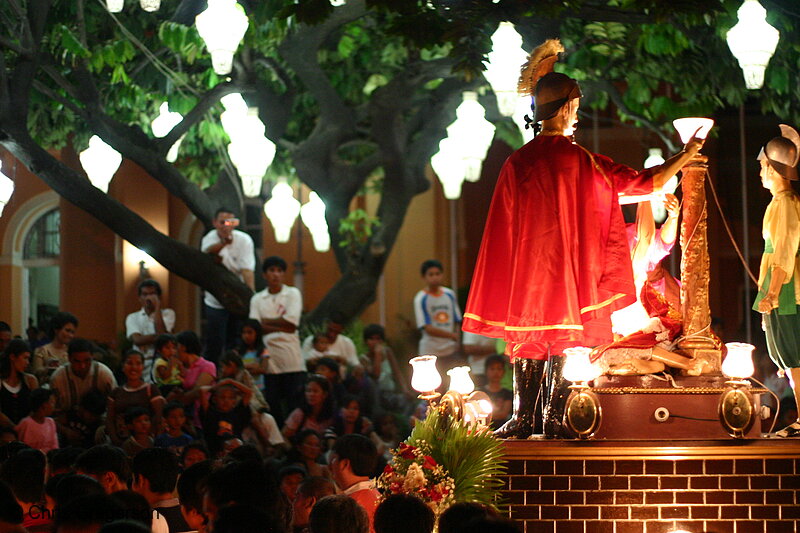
45, 90
14, 47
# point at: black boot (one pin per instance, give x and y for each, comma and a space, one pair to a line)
528, 375
556, 393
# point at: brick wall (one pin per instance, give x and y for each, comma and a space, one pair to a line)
713, 487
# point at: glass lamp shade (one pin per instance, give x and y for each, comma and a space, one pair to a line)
252, 157
752, 42
502, 69
460, 380
450, 168
686, 127
150, 5
739, 361
471, 134
485, 407
425, 377
6, 189
242, 126
115, 6
313, 216
100, 162
578, 368
282, 210
655, 157
163, 124
222, 26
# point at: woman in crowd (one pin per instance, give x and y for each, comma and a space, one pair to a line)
197, 373
134, 393
306, 451
349, 420
15, 384
47, 358
317, 410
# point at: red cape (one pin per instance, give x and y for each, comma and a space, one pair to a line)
554, 262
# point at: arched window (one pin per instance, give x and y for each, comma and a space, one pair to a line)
42, 276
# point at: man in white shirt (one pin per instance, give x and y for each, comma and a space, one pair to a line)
144, 326
233, 249
278, 309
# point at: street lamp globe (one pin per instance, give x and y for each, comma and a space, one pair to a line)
115, 6
472, 135
222, 26
313, 216
150, 5
100, 162
752, 42
450, 168
282, 210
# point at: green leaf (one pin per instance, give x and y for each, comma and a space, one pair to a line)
71, 43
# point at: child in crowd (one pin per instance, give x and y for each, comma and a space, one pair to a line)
85, 422
319, 348
39, 430
328, 368
225, 413
388, 436
167, 367
232, 366
194, 452
438, 316
381, 363
134, 393
139, 426
174, 437
501, 397
254, 354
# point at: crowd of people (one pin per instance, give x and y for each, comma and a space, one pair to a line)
255, 432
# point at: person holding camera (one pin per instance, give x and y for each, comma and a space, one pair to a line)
145, 325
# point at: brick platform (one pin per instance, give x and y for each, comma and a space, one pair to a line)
725, 486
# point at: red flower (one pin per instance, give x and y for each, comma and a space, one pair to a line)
405, 451
430, 463
395, 487
388, 469
435, 495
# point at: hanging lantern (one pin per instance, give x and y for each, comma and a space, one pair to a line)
472, 135
752, 42
163, 124
450, 168
100, 162
282, 210
6, 189
150, 5
115, 6
222, 26
313, 216
502, 69
252, 157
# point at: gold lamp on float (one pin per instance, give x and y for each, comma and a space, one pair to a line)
737, 411
461, 402
583, 413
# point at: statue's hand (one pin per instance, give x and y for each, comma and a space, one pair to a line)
767, 304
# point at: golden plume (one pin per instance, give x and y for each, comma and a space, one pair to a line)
539, 63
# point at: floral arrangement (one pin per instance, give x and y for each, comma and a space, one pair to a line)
414, 471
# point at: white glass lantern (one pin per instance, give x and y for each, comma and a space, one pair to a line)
150, 5
471, 134
6, 189
450, 168
687, 127
100, 162
115, 6
252, 157
578, 368
282, 210
752, 42
425, 377
502, 69
222, 26
655, 157
739, 361
163, 124
460, 380
313, 216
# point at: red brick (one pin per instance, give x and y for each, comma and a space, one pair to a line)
613, 482
659, 527
705, 511
764, 482
540, 526
542, 497
720, 527
659, 467
569, 526
599, 527
540, 468
779, 496
692, 466
614, 512
724, 466
779, 466
749, 497
674, 512
719, 497
629, 527
690, 497
730, 511
599, 467
524, 483
644, 513
750, 526
554, 483
599, 497
554, 512
627, 498
690, 525
524, 512
734, 482
569, 498
658, 497
705, 482
584, 483
644, 482
629, 467
516, 468
779, 526
584, 512
749, 466
569, 468
767, 512
790, 482
790, 511
674, 482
